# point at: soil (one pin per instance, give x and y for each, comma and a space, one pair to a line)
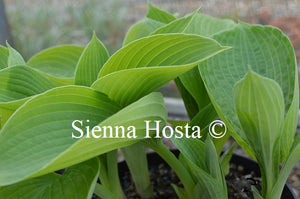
238, 183
161, 177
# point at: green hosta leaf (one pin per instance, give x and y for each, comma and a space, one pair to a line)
142, 81
207, 26
77, 182
293, 158
178, 25
269, 53
192, 149
196, 23
155, 19
3, 57
226, 157
141, 29
37, 139
90, 62
175, 55
162, 50
14, 57
260, 108
212, 162
190, 84
256, 194
58, 63
17, 84
179, 191
139, 172
205, 182
109, 175
189, 102
259, 105
159, 15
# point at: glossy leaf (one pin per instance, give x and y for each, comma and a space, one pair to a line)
14, 57
3, 57
37, 139
269, 53
90, 62
58, 62
77, 182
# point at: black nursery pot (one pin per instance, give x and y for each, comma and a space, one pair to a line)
249, 166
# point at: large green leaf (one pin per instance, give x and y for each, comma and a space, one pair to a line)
77, 182
269, 53
3, 57
190, 84
17, 84
90, 62
37, 139
162, 50
58, 62
153, 61
260, 108
196, 23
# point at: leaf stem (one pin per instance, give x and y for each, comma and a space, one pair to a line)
184, 176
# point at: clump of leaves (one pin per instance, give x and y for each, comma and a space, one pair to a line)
41, 98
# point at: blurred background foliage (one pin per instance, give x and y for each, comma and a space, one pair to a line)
39, 24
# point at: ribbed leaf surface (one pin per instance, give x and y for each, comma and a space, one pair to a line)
37, 139
77, 182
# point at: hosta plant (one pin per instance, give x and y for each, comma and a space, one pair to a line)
70, 108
